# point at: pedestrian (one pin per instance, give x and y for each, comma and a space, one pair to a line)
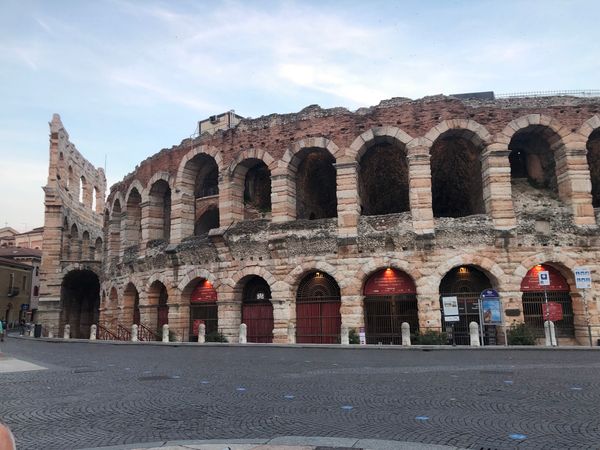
1, 331
21, 327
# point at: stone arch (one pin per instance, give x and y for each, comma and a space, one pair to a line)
375, 264
315, 142
531, 119
296, 275
590, 135
365, 140
161, 175
118, 197
589, 126
253, 153
78, 266
157, 208
563, 263
488, 266
253, 271
135, 184
457, 174
180, 180
196, 273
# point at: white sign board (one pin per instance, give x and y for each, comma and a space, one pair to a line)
583, 277
450, 305
544, 278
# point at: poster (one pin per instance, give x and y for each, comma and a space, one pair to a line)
492, 313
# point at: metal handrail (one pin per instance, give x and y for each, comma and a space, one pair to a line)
104, 334
573, 93
123, 334
146, 334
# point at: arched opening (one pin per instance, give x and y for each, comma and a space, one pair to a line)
75, 243
82, 190
593, 159
80, 300
254, 178
131, 306
316, 196
383, 179
114, 244
94, 199
466, 284
203, 309
70, 179
206, 175
85, 246
133, 219
456, 180
159, 223
111, 310
207, 221
257, 309
158, 297
98, 250
532, 160
390, 299
557, 293
66, 240
318, 301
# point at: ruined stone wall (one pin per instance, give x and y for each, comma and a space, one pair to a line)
518, 227
73, 235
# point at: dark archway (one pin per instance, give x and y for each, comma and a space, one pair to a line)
257, 309
593, 159
131, 304
318, 301
158, 298
390, 299
534, 297
159, 226
383, 180
207, 221
466, 284
133, 219
316, 196
456, 180
257, 189
80, 300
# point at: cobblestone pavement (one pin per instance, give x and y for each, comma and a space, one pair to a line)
100, 395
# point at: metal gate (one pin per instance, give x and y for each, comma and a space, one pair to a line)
318, 302
258, 318
532, 312
162, 317
203, 313
468, 310
384, 316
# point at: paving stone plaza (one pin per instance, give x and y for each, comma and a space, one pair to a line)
98, 394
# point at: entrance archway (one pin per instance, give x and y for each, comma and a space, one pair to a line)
158, 298
80, 300
533, 299
318, 301
131, 302
390, 299
465, 283
203, 309
257, 310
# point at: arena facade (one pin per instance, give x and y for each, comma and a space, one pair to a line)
297, 224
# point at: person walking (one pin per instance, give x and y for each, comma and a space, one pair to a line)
1, 331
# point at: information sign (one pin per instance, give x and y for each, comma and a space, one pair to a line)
450, 305
544, 278
583, 277
362, 337
492, 313
552, 311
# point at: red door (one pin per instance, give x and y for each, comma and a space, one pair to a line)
318, 322
258, 317
163, 317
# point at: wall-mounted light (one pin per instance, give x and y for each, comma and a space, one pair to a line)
463, 270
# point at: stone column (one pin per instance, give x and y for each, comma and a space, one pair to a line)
430, 315
226, 214
183, 212
578, 187
283, 195
281, 320
179, 321
230, 316
348, 199
352, 311
419, 181
497, 190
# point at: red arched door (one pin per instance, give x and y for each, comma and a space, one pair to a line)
318, 301
257, 310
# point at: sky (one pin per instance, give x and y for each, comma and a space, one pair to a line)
132, 77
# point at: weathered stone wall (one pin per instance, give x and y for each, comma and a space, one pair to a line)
73, 234
519, 227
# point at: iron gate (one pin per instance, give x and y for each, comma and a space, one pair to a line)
533, 315
468, 311
258, 317
318, 320
204, 313
384, 316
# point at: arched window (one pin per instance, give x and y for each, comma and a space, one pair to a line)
133, 218
593, 159
316, 196
159, 223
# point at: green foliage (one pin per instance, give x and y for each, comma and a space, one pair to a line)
353, 336
521, 334
216, 336
430, 337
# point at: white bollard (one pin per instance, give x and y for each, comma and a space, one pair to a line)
201, 333
67, 332
134, 333
165, 333
406, 334
345, 335
291, 333
474, 334
552, 334
93, 330
547, 340
50, 334
32, 331
243, 334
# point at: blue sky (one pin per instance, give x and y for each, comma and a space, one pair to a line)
132, 77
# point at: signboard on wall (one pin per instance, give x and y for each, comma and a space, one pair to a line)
450, 306
583, 277
389, 282
553, 311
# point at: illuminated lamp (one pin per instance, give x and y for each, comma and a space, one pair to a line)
463, 270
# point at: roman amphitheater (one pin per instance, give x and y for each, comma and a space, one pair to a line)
299, 224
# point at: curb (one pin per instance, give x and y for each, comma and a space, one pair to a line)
320, 346
290, 442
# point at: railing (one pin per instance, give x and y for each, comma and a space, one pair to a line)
146, 334
572, 93
123, 334
104, 334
